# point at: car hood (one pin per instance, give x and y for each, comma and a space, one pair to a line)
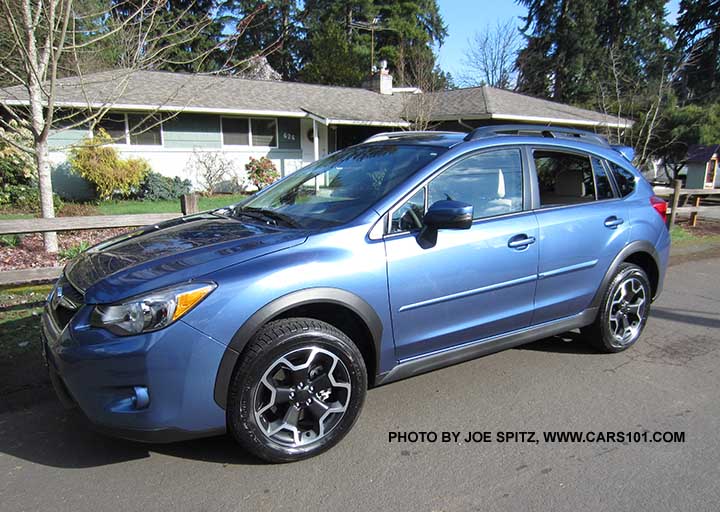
172, 252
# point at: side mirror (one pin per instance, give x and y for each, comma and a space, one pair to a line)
448, 215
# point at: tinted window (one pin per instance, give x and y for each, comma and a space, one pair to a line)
264, 132
624, 179
564, 178
144, 130
409, 216
339, 187
602, 182
235, 131
490, 181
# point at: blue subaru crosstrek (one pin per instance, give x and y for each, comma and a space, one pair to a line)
406, 253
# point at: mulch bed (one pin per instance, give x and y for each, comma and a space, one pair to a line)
30, 253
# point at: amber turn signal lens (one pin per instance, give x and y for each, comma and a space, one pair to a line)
186, 300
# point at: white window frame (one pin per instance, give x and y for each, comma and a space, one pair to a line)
127, 133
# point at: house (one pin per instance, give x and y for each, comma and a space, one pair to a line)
702, 167
164, 117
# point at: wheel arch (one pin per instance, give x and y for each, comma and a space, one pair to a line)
340, 308
641, 253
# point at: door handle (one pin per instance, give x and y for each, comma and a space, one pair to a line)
520, 241
612, 222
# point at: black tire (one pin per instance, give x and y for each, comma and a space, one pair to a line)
293, 337
601, 333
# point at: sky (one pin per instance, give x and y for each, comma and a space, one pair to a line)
465, 17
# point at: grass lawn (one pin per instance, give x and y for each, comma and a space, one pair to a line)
128, 207
19, 320
682, 237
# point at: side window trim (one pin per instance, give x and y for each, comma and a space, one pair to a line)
526, 187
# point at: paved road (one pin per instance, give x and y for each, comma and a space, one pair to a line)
669, 382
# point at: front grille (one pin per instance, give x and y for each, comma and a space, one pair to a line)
65, 301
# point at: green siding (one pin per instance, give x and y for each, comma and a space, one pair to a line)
192, 131
65, 138
695, 175
289, 131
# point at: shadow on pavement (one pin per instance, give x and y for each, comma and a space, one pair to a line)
49, 435
567, 343
686, 316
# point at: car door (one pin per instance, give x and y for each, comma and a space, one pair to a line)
583, 225
472, 283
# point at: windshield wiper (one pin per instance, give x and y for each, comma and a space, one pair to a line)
265, 214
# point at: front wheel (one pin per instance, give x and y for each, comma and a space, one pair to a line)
623, 312
297, 390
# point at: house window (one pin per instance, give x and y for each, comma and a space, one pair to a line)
144, 129
264, 131
114, 126
256, 131
236, 131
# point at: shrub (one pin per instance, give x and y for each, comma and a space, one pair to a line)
77, 210
211, 168
17, 167
74, 251
156, 187
261, 172
10, 240
25, 198
99, 163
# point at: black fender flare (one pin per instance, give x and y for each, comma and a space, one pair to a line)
278, 306
629, 250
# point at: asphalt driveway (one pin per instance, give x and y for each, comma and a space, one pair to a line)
669, 382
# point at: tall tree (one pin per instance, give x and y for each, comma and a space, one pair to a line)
268, 28
571, 45
490, 56
698, 32
400, 30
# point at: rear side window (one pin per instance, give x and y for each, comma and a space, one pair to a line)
624, 179
564, 178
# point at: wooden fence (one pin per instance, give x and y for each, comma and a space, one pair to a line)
679, 197
188, 205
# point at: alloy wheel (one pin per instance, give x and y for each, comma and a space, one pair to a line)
302, 396
627, 311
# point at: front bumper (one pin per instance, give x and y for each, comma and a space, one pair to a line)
101, 373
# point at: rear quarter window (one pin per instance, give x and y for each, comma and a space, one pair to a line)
624, 179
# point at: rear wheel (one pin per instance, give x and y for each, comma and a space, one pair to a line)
623, 311
297, 391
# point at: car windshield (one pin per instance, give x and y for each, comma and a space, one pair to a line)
340, 187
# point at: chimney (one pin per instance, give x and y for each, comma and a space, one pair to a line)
381, 80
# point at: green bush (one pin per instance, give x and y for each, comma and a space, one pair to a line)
17, 167
74, 251
10, 240
261, 172
156, 187
25, 198
99, 163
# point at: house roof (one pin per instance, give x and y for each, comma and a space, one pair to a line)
165, 91
491, 103
698, 153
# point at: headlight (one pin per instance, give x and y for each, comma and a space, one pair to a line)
150, 312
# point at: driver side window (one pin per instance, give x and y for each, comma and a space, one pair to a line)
409, 216
490, 181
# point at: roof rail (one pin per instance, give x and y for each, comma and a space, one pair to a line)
398, 135
539, 131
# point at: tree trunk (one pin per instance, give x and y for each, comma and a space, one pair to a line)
46, 195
